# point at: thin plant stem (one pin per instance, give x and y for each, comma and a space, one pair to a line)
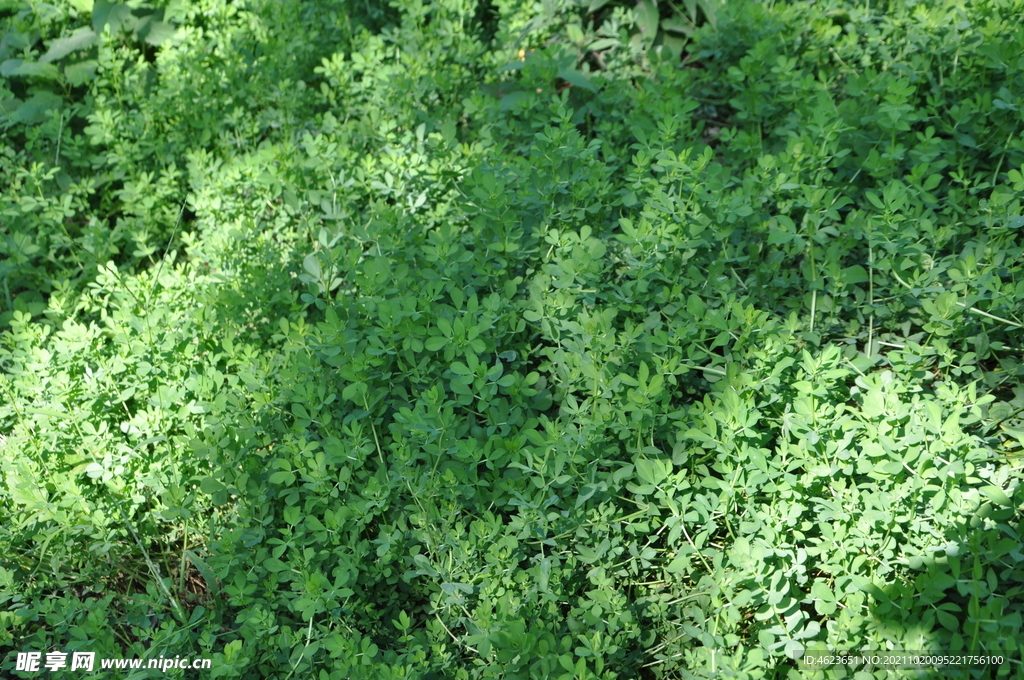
155, 570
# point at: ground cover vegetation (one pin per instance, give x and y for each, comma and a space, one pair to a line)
509, 340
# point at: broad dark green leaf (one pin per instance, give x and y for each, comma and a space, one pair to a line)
61, 47
35, 109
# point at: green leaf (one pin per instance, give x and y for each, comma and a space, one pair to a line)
35, 109
586, 493
460, 368
576, 78
212, 582
283, 478
695, 305
677, 25
794, 649
435, 343
824, 598
79, 40
854, 274
946, 303
311, 263
9, 106
115, 15
947, 620
448, 131
275, 565
646, 13
80, 72
778, 237
210, 485
866, 585
156, 32
510, 101
1015, 432
424, 565
9, 66
47, 412
32, 69
603, 44
354, 393
680, 564
652, 471
997, 495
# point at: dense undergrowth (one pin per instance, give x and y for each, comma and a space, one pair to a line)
484, 340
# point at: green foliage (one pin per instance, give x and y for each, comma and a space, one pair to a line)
479, 340
602, 29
